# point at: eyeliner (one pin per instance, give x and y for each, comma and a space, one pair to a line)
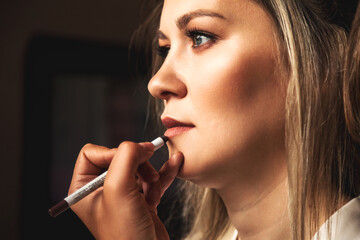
91, 186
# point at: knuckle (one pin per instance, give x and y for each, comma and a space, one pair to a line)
128, 145
86, 150
87, 146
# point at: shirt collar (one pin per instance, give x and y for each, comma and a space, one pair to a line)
344, 223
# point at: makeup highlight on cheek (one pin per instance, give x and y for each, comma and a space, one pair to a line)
231, 85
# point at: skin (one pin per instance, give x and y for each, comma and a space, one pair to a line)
231, 89
228, 89
118, 210
227, 83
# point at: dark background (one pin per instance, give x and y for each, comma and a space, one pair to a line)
66, 80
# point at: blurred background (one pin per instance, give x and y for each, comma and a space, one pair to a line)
66, 80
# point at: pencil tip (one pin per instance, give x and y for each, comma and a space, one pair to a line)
165, 138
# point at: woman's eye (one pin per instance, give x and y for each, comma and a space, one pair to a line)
197, 37
200, 38
162, 51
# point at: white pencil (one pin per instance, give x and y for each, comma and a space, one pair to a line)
92, 186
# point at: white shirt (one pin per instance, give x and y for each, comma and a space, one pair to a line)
345, 223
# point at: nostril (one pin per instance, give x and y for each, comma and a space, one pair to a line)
166, 94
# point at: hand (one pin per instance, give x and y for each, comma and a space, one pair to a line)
119, 210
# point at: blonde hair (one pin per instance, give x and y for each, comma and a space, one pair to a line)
322, 156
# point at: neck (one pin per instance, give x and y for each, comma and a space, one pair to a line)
259, 214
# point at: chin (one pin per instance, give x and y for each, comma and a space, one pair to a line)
196, 173
187, 170
199, 170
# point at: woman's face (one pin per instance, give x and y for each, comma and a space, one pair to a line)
222, 89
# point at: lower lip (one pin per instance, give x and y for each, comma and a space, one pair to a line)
172, 132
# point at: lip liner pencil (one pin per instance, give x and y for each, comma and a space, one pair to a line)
92, 186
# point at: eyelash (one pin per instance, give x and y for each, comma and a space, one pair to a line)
162, 51
193, 33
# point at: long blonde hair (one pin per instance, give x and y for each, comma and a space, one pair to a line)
321, 160
322, 156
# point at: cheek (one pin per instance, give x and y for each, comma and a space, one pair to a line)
236, 104
239, 82
239, 100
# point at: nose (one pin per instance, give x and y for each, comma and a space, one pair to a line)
167, 83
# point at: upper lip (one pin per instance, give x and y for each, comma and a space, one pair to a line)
170, 123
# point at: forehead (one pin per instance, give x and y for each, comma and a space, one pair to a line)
230, 9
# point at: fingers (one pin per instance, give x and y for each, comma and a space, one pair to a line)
169, 171
160, 230
124, 166
129, 160
118, 208
148, 173
152, 193
154, 190
91, 160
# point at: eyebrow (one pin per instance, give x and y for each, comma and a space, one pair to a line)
161, 35
184, 20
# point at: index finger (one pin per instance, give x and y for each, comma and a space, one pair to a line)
123, 168
92, 159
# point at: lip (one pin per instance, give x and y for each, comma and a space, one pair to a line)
175, 127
